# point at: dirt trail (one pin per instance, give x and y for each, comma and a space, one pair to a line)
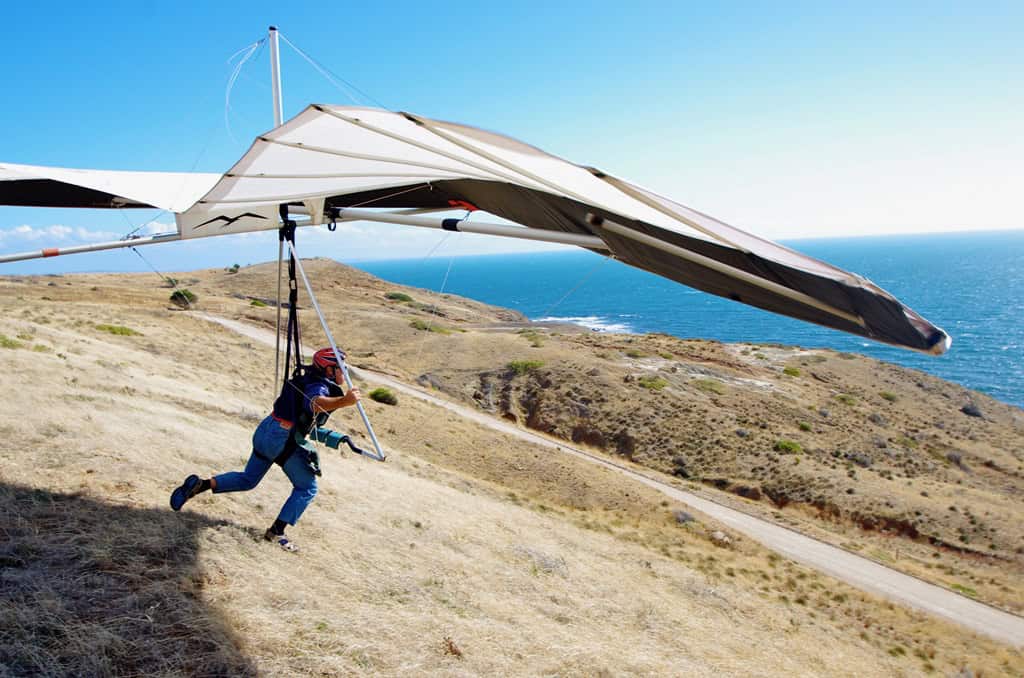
862, 573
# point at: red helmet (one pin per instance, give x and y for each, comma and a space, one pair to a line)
324, 358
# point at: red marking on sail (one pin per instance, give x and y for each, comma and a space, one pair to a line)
463, 205
51, 252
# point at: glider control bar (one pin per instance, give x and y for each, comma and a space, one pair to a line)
462, 226
95, 247
379, 456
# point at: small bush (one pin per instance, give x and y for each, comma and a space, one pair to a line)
887, 395
710, 386
652, 382
183, 298
7, 342
41, 348
846, 399
120, 330
257, 303
666, 355
423, 325
788, 447
804, 426
168, 282
384, 395
398, 296
791, 371
233, 269
633, 353
533, 337
521, 367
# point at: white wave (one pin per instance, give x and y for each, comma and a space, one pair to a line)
593, 322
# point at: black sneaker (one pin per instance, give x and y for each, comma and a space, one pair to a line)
184, 492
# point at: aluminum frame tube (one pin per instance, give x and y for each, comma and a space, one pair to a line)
95, 247
275, 76
380, 456
484, 228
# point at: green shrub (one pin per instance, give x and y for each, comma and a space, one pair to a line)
398, 296
257, 303
183, 298
423, 325
233, 269
787, 447
521, 367
804, 426
791, 371
384, 395
41, 348
710, 386
119, 330
7, 342
633, 353
652, 382
888, 395
168, 282
966, 590
533, 337
846, 399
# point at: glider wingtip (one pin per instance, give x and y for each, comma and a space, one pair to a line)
939, 342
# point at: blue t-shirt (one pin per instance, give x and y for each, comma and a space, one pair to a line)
285, 407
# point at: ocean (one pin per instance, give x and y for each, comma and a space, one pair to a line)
969, 284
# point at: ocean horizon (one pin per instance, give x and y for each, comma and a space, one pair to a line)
969, 284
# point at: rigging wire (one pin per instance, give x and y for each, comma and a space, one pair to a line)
392, 195
172, 281
433, 307
249, 51
344, 86
444, 283
584, 279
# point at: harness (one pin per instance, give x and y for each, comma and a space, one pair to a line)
292, 395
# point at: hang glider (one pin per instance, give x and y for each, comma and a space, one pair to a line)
336, 163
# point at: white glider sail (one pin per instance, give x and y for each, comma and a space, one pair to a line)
31, 186
333, 163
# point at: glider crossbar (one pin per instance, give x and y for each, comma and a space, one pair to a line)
714, 265
379, 456
95, 247
462, 226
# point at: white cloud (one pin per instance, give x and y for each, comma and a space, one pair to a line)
53, 234
154, 227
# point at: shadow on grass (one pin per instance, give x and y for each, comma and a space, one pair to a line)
89, 588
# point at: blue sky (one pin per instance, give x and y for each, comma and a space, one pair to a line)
793, 120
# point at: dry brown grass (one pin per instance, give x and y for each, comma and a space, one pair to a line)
524, 561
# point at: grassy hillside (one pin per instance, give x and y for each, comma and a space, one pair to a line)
467, 553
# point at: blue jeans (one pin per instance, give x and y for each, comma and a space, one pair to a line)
267, 443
